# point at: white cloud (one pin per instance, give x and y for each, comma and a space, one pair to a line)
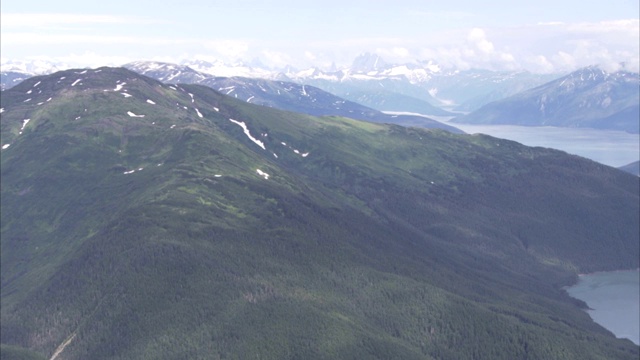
478, 38
276, 59
233, 49
394, 54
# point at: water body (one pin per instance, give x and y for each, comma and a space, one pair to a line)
614, 297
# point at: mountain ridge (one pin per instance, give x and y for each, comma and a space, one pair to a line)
590, 97
120, 238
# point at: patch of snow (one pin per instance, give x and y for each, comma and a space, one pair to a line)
1, 110
140, 169
126, 95
24, 123
217, 175
29, 92
305, 154
249, 99
5, 146
246, 131
172, 126
173, 76
36, 84
82, 72
119, 86
134, 115
129, 172
151, 102
263, 174
303, 91
62, 78
192, 99
296, 151
40, 103
49, 99
171, 87
75, 82
275, 155
284, 143
216, 109
29, 99
198, 111
77, 118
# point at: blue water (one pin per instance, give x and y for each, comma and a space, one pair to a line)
614, 297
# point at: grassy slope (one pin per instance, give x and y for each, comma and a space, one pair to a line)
383, 242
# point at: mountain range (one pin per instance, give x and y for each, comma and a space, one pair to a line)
284, 95
589, 97
420, 86
154, 221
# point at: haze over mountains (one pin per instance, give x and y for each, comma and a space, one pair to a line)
589, 97
422, 87
279, 94
147, 220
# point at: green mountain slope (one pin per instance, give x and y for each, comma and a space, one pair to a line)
141, 220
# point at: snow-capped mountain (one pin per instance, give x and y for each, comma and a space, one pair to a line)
219, 68
590, 97
421, 86
167, 72
9, 79
285, 95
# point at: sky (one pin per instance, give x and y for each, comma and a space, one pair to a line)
542, 36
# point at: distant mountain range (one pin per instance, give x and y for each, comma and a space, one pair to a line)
420, 87
141, 219
589, 97
279, 94
632, 168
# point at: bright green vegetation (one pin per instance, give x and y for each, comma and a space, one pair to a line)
383, 242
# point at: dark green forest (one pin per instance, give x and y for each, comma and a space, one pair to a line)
382, 242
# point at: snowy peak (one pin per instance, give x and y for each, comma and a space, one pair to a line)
368, 62
594, 76
590, 97
166, 72
35, 67
219, 68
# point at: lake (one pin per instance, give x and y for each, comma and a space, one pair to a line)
614, 297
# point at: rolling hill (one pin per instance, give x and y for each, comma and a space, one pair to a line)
154, 221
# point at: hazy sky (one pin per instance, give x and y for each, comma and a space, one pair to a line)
538, 35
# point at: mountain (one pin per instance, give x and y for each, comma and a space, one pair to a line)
422, 86
419, 86
142, 220
282, 95
590, 97
9, 79
632, 168
468, 90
